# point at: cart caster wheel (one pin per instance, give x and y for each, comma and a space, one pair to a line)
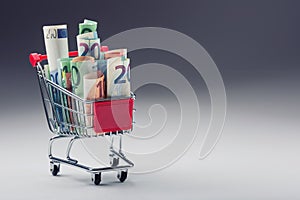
122, 176
114, 162
54, 168
96, 178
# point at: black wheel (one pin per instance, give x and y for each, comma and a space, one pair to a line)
96, 178
114, 162
122, 176
54, 169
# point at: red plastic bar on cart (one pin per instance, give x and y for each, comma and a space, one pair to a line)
34, 58
114, 115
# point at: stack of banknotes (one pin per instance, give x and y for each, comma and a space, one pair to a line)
95, 74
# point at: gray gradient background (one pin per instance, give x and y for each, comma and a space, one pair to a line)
255, 45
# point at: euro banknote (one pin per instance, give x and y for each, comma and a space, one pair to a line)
79, 67
118, 77
56, 44
87, 26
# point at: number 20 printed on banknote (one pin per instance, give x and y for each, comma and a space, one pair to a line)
118, 77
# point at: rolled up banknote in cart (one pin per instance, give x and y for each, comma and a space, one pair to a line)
79, 67
65, 69
118, 77
94, 87
87, 26
115, 53
88, 44
89, 47
56, 44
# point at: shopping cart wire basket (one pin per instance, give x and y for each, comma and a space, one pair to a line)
71, 117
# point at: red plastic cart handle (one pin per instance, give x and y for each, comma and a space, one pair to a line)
34, 58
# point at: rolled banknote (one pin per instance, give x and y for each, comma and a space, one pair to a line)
93, 90
107, 54
89, 47
65, 69
55, 96
94, 86
103, 49
54, 76
56, 43
79, 67
115, 53
118, 77
88, 35
87, 26
64, 66
80, 47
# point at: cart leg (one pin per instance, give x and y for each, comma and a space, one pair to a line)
51, 141
69, 150
114, 160
54, 166
117, 155
122, 174
120, 145
112, 143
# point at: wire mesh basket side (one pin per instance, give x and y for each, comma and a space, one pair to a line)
66, 113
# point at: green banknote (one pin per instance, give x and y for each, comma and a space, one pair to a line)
87, 26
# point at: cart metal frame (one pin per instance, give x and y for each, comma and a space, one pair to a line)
64, 128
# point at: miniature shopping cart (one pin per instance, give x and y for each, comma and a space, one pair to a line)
111, 117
